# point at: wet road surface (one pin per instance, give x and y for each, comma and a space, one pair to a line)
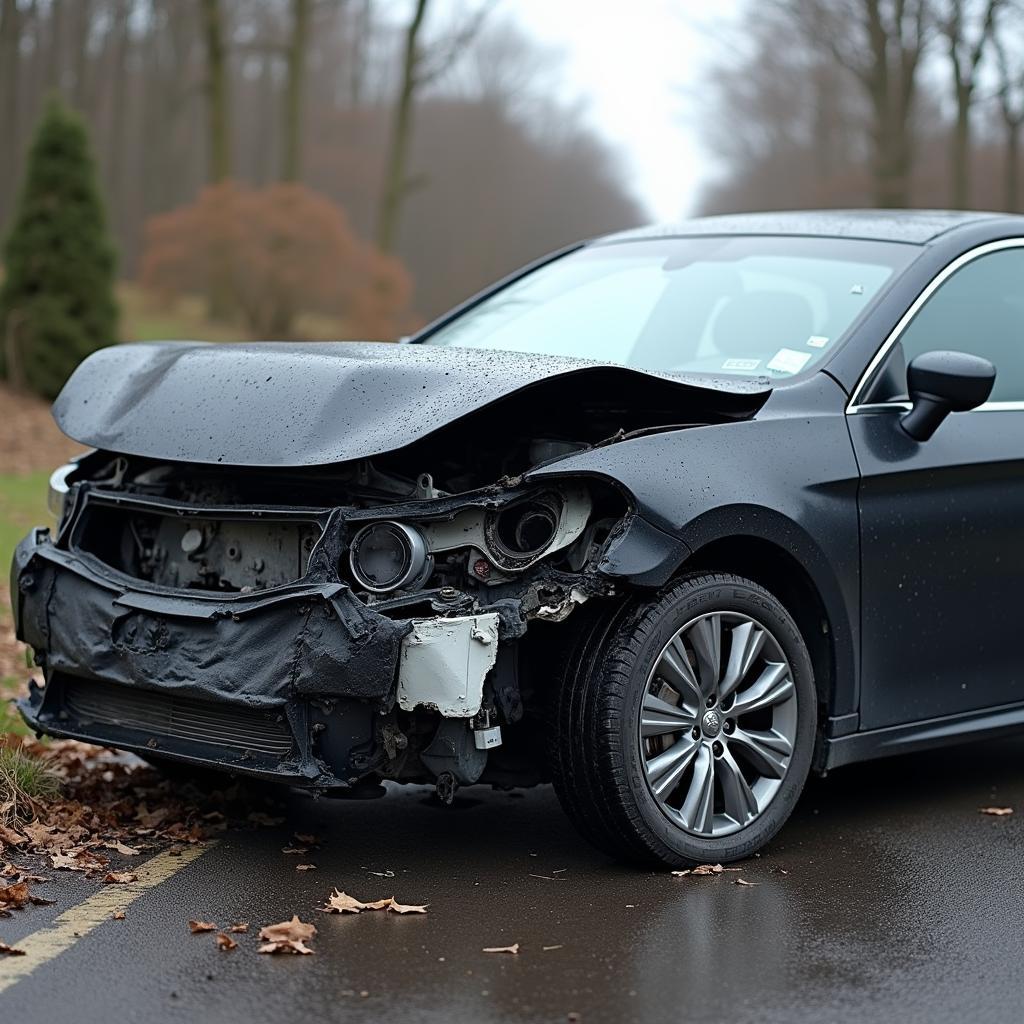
888, 896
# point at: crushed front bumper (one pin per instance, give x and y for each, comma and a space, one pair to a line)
290, 684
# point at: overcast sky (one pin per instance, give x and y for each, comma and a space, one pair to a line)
636, 64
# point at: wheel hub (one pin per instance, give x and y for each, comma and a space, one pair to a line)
711, 723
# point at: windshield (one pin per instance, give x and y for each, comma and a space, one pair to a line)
761, 306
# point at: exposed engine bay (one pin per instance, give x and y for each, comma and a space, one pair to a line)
393, 615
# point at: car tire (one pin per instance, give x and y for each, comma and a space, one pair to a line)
610, 774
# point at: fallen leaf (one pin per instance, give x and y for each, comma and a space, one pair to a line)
703, 869
195, 927
380, 874
405, 908
300, 850
743, 881
305, 867
120, 877
118, 915
514, 948
225, 941
287, 937
307, 839
10, 837
998, 812
14, 895
342, 903
239, 929
10, 950
128, 851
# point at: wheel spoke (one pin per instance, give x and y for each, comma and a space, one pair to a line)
706, 637
698, 808
665, 770
739, 799
747, 640
767, 752
660, 718
674, 668
773, 686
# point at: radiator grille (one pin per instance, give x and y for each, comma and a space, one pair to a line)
161, 714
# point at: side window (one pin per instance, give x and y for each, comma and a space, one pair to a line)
979, 309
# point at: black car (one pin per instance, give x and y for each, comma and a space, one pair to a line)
670, 519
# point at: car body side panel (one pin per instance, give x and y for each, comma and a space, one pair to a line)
788, 477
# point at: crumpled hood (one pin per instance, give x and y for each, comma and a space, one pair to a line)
290, 404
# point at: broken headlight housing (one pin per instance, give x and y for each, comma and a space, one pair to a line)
389, 556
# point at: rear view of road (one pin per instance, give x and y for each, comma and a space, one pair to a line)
888, 894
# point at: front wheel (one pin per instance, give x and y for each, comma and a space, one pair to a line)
685, 726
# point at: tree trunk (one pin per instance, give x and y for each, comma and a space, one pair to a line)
396, 167
298, 46
218, 118
10, 36
1012, 168
961, 154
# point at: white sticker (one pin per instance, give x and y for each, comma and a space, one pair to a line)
788, 360
741, 364
817, 341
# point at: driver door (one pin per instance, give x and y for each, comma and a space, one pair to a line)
942, 522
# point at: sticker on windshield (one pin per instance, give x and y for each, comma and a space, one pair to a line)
741, 364
788, 360
817, 341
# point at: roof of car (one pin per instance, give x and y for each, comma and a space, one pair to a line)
915, 226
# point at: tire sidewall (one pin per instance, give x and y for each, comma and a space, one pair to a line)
685, 602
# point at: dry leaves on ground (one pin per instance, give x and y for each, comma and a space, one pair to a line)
305, 867
287, 937
195, 927
10, 950
117, 915
743, 881
239, 929
225, 941
514, 949
109, 802
996, 812
341, 903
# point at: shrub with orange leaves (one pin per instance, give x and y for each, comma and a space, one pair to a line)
272, 253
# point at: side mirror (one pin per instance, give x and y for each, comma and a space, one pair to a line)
943, 382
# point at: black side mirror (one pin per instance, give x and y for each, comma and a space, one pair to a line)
943, 382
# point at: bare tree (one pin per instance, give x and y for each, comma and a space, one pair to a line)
10, 42
1011, 110
967, 29
418, 68
296, 55
396, 180
881, 43
217, 102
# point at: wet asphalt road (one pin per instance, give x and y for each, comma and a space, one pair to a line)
888, 896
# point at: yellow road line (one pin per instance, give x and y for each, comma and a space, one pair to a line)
76, 922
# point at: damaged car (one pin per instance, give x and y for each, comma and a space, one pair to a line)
671, 519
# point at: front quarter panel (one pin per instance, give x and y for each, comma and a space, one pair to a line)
788, 477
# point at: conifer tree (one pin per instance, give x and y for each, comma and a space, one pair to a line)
57, 297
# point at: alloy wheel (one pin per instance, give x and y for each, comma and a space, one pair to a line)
718, 724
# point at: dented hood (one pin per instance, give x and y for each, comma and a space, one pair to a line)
289, 404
